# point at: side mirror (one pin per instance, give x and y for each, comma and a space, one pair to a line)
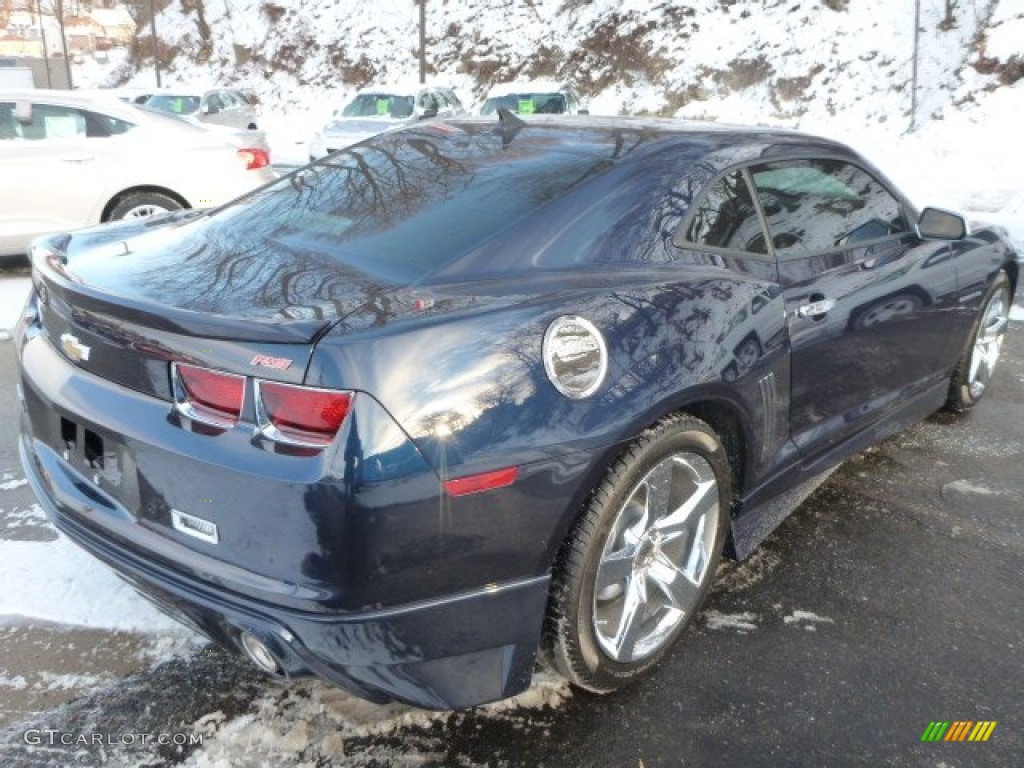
23, 112
937, 224
427, 112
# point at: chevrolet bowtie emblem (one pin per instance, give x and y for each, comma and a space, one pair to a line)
73, 348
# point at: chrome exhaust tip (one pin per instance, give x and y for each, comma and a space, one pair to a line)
260, 654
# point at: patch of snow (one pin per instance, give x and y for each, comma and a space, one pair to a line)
1017, 313
798, 616
13, 295
314, 718
172, 645
733, 576
742, 622
966, 486
10, 485
58, 581
50, 681
18, 682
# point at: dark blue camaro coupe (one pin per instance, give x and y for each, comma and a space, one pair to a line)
465, 395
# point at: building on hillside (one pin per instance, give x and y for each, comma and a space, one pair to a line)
118, 26
83, 34
23, 36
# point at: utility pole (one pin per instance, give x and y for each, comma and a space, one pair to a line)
156, 44
423, 40
913, 77
58, 6
46, 51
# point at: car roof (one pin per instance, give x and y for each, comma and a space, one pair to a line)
79, 96
97, 99
399, 89
527, 86
653, 127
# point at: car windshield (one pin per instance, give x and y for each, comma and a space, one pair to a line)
403, 205
527, 103
176, 105
379, 105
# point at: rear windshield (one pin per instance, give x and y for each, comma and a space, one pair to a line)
405, 204
176, 105
379, 105
527, 103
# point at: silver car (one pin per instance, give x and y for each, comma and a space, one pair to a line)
375, 110
528, 97
219, 106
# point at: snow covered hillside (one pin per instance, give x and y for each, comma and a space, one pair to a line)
837, 67
781, 58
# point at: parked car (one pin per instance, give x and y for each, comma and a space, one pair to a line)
530, 97
476, 391
71, 160
382, 108
218, 106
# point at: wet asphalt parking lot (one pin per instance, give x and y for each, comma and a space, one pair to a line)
893, 597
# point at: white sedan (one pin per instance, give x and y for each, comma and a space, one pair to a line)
72, 160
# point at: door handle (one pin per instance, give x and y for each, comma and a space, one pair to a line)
78, 158
816, 308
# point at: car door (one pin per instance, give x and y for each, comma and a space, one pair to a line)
867, 317
55, 170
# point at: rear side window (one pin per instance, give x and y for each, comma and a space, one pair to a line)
53, 122
726, 217
8, 129
820, 205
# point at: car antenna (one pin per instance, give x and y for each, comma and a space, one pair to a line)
509, 124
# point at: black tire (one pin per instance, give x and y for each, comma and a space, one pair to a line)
158, 201
572, 644
967, 387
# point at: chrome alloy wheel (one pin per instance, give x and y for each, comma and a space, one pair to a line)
656, 558
988, 342
144, 210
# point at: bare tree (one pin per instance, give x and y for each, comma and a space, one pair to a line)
949, 20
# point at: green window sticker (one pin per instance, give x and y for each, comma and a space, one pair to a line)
382, 106
526, 107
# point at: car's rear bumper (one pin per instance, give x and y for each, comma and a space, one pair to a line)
449, 653
427, 645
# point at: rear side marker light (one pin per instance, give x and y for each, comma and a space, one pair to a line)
488, 481
254, 158
209, 397
301, 416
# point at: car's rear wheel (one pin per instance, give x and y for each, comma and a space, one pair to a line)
641, 558
973, 373
141, 204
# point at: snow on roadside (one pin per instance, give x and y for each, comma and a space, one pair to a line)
13, 294
806, 617
308, 722
59, 582
741, 622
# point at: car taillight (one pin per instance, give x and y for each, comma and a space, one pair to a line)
211, 397
254, 158
302, 416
